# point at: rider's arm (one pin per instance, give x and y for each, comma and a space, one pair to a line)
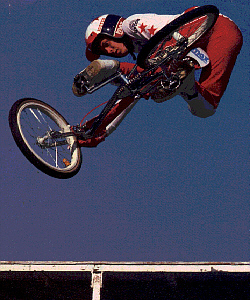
142, 27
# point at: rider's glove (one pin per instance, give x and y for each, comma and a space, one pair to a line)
78, 88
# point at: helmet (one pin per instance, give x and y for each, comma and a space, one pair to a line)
105, 25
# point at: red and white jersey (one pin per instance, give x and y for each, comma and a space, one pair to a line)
141, 27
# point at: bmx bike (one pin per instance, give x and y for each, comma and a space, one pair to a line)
48, 141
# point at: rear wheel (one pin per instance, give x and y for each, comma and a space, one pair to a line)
38, 130
175, 39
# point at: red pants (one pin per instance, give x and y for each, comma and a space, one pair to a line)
222, 44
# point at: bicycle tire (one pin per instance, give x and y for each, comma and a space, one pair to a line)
28, 117
166, 34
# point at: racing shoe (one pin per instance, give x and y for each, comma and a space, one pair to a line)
95, 73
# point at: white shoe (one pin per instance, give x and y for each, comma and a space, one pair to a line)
199, 106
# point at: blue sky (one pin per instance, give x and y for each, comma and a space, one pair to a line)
165, 186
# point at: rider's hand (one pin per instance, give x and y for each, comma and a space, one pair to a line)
78, 88
78, 92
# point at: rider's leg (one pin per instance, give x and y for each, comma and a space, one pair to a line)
222, 46
203, 97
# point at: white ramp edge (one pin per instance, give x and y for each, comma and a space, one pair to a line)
98, 268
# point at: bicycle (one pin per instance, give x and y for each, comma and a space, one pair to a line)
50, 143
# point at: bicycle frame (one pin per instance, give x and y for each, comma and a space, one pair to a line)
135, 85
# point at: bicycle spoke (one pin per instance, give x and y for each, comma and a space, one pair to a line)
35, 124
44, 119
33, 113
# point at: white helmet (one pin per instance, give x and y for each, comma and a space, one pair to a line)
105, 25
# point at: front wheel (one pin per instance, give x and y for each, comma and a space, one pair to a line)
38, 131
